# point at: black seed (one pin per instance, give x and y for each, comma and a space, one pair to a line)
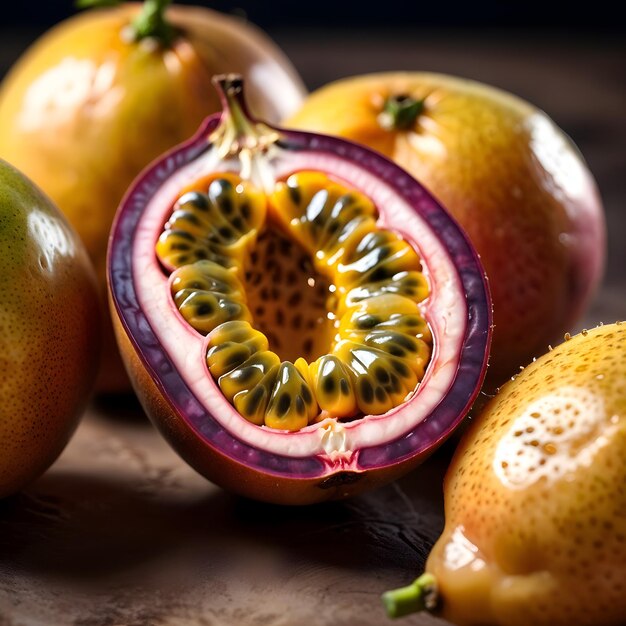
183, 234
220, 186
197, 199
238, 223
381, 396
275, 293
260, 311
254, 399
344, 387
412, 321
245, 374
283, 404
183, 259
292, 277
225, 232
411, 282
306, 394
307, 346
205, 308
328, 385
244, 209
401, 368
367, 321
406, 343
237, 358
226, 205
196, 284
367, 393
296, 322
300, 408
191, 218
294, 299
383, 253
271, 248
180, 246
380, 273
280, 317
381, 376
294, 194
265, 293
396, 351
201, 254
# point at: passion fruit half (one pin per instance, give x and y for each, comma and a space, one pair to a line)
300, 318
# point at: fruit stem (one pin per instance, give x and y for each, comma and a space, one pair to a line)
238, 133
421, 595
400, 112
151, 22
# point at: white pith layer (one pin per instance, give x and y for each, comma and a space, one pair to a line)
445, 311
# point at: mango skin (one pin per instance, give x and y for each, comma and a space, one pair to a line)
49, 331
535, 498
84, 111
512, 179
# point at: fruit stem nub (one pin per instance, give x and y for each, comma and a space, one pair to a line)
420, 595
400, 112
151, 22
238, 133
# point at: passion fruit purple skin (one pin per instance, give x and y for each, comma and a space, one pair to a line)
199, 436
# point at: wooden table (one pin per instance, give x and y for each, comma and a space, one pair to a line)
122, 532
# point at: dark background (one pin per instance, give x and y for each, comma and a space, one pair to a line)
536, 14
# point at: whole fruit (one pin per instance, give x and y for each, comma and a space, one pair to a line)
104, 93
535, 498
300, 318
49, 330
513, 180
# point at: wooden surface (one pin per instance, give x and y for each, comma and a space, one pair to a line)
121, 532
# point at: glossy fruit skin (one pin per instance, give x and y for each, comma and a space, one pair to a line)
49, 339
84, 111
511, 178
548, 543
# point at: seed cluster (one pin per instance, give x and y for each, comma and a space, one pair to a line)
378, 343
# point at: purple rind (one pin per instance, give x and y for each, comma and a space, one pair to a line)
427, 435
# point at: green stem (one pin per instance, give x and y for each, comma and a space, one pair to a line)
150, 22
400, 112
421, 595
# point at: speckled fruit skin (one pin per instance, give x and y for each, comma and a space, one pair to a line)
49, 330
83, 112
512, 179
547, 526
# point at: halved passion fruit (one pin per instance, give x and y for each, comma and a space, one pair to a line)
300, 318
